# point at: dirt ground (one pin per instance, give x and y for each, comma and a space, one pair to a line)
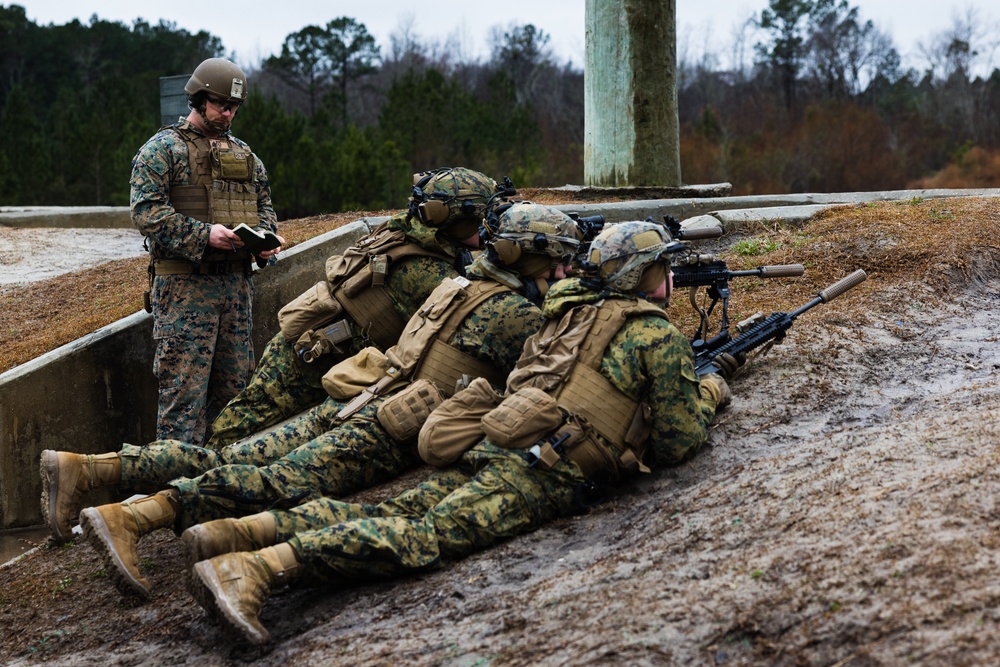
844, 511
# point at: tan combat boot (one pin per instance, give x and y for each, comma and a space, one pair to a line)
65, 478
234, 587
114, 530
214, 538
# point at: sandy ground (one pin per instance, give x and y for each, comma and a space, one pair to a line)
844, 512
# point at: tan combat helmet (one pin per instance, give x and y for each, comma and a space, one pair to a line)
528, 238
221, 78
452, 199
622, 253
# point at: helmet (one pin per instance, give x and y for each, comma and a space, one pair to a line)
621, 253
219, 77
453, 198
529, 238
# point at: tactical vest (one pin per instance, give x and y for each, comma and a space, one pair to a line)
423, 352
355, 284
581, 390
222, 189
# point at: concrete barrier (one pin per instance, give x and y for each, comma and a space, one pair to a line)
97, 392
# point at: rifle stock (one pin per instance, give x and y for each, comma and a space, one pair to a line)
771, 328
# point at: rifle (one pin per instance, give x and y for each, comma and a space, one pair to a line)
589, 226
767, 330
708, 271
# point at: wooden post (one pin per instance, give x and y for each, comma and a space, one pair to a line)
631, 129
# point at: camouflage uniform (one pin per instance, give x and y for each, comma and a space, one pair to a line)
357, 452
494, 493
201, 323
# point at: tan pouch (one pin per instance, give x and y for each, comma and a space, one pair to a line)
403, 414
522, 419
352, 376
581, 446
456, 426
310, 310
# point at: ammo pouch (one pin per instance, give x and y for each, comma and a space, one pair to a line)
456, 426
403, 414
522, 419
578, 442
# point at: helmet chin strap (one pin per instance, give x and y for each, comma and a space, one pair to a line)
215, 127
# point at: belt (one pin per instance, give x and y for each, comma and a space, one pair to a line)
174, 267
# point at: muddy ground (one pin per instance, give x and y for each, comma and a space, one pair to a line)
844, 511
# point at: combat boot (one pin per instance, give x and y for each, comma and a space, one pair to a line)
114, 531
65, 478
214, 538
234, 587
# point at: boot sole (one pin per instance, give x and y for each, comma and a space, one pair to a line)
49, 469
97, 533
205, 587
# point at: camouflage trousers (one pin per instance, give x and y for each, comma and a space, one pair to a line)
151, 467
281, 386
201, 325
354, 454
491, 495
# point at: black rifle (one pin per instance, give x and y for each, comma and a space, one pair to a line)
772, 328
589, 226
711, 272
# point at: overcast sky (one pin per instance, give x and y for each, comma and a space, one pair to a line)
255, 29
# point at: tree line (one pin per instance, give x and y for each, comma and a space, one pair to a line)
823, 104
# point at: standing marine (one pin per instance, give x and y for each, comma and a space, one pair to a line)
191, 183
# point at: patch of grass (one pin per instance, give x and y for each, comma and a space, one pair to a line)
62, 585
754, 246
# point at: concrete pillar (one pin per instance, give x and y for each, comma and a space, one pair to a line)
631, 129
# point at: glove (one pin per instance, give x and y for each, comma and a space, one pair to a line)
714, 387
729, 366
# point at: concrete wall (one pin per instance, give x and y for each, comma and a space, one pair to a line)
97, 392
